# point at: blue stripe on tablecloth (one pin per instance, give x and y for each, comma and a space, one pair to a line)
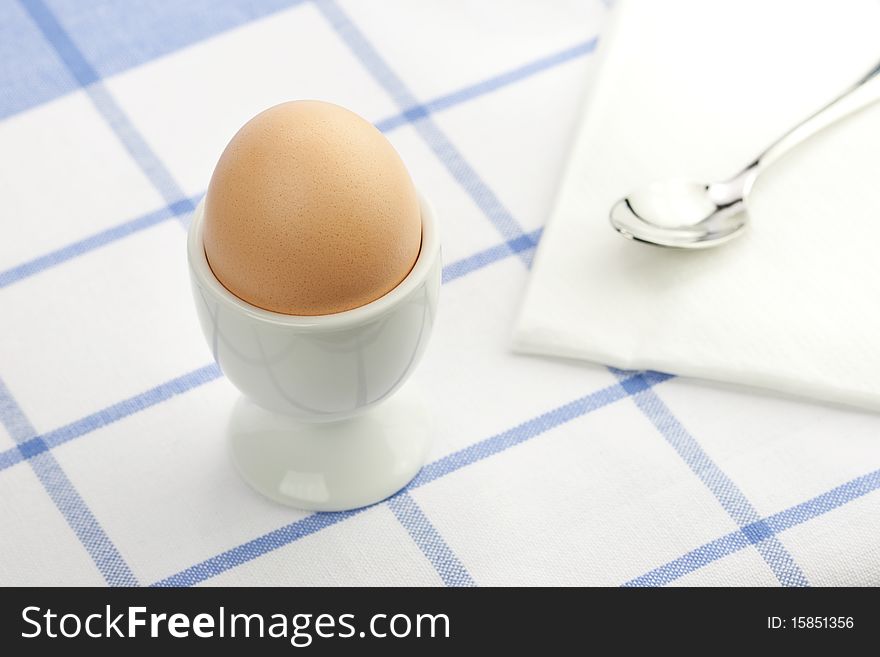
520, 433
440, 468
418, 112
65, 497
32, 446
731, 498
95, 241
451, 158
257, 547
104, 102
693, 560
825, 502
478, 260
778, 522
137, 147
429, 540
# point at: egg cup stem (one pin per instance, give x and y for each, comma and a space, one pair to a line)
331, 466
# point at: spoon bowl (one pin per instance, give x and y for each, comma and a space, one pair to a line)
682, 214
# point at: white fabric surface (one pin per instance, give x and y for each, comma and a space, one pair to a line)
543, 471
696, 90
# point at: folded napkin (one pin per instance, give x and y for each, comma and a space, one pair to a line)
695, 90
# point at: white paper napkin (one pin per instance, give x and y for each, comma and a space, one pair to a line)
695, 90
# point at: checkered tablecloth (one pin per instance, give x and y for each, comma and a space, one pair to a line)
112, 463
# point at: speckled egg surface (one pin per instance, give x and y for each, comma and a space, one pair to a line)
310, 211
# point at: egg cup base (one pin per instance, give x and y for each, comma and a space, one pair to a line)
334, 466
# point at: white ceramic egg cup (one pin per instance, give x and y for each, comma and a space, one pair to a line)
318, 427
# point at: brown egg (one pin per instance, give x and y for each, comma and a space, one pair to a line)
310, 211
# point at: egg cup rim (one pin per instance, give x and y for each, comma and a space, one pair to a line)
429, 254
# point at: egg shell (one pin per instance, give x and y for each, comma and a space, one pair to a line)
310, 211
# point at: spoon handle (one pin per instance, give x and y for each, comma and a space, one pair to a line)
856, 97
